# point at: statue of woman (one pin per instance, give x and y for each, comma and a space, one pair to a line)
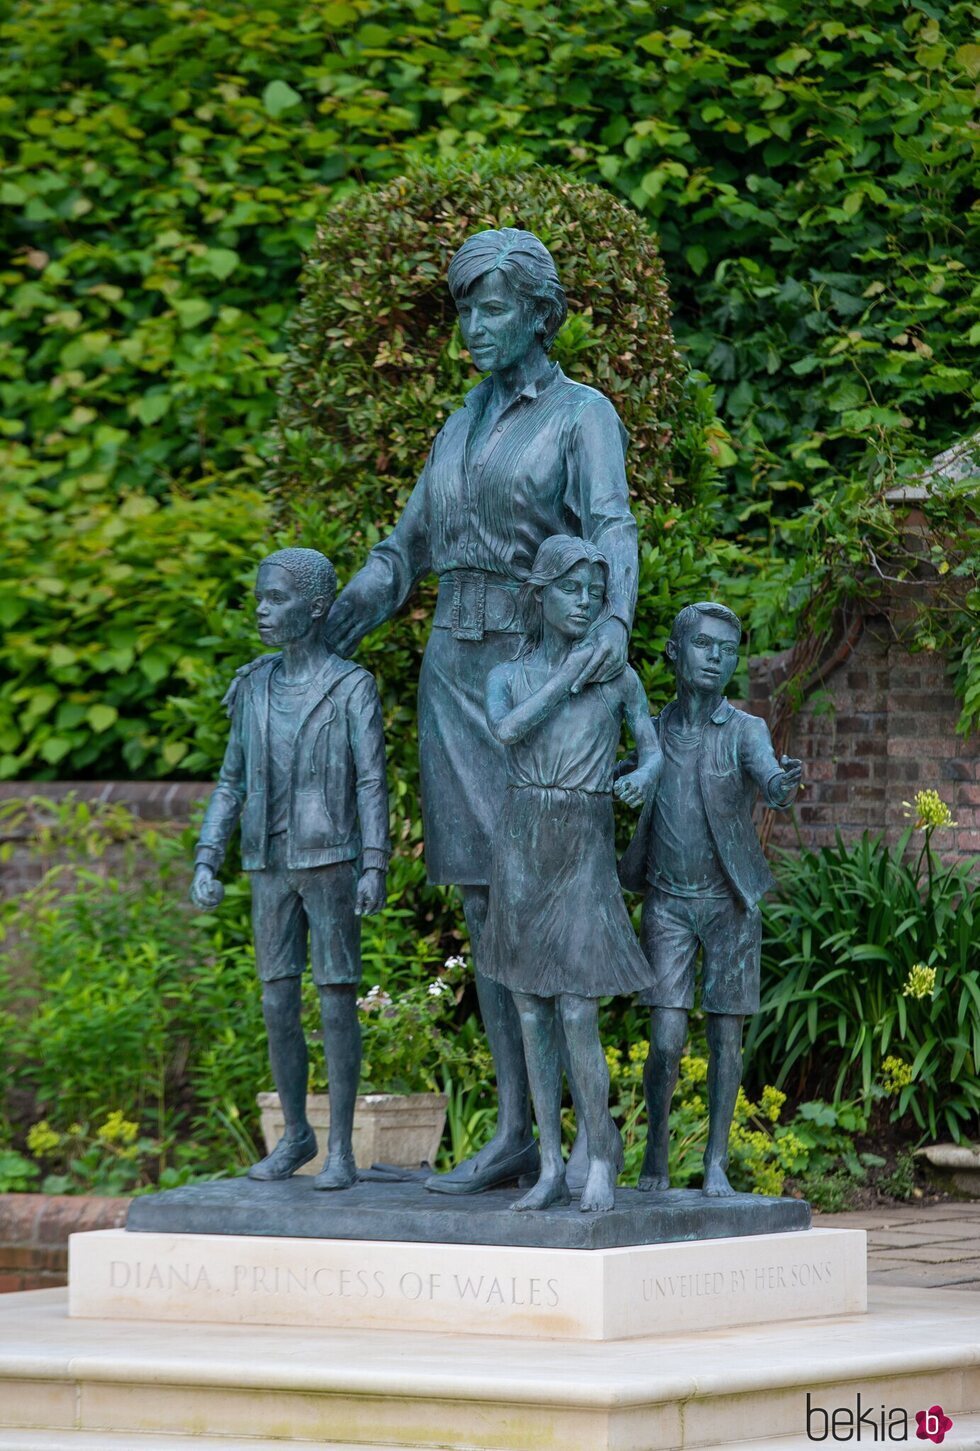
530, 454
557, 933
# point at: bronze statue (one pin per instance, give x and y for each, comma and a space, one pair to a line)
530, 454
696, 857
557, 933
305, 772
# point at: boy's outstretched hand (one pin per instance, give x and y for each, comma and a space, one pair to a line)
372, 892
787, 783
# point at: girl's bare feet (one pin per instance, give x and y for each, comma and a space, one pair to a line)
599, 1194
549, 1191
715, 1183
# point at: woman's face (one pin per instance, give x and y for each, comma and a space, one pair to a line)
499, 328
571, 604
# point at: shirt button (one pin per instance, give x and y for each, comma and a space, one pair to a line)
500, 428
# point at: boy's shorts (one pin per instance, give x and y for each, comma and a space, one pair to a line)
316, 903
672, 929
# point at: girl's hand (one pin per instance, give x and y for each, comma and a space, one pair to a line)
636, 788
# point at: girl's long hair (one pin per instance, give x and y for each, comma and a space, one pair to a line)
555, 557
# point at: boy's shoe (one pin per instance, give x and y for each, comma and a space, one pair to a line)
339, 1172
288, 1156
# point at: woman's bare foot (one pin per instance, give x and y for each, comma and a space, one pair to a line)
715, 1184
650, 1181
549, 1191
599, 1194
652, 1177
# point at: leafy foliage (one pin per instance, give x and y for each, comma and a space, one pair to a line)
124, 608
377, 364
811, 183
121, 1005
843, 1006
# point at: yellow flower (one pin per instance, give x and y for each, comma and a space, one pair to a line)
930, 811
895, 1075
118, 1130
42, 1139
920, 982
695, 1070
639, 1051
771, 1103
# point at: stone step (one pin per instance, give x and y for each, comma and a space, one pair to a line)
138, 1441
735, 1388
965, 1436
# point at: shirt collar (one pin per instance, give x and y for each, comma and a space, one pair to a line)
722, 712
478, 396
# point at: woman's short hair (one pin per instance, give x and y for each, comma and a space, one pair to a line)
526, 263
555, 557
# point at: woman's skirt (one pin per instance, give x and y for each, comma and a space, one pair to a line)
463, 768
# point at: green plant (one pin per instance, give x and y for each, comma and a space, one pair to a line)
124, 998
871, 974
113, 1159
376, 361
18, 1174
408, 1035
761, 1150
810, 179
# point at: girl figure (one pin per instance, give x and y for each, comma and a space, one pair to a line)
557, 933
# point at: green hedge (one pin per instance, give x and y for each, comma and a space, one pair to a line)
812, 183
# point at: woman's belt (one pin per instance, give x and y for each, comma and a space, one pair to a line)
472, 601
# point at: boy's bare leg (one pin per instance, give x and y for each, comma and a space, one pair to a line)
342, 1048
668, 1034
724, 1078
289, 1061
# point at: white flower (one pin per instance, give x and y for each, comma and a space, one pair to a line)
375, 997
437, 988
455, 961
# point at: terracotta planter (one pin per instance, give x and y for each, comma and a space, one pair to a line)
389, 1128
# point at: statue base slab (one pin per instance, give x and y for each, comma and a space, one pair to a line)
614, 1294
104, 1384
409, 1213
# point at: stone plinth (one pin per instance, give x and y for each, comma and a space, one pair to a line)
408, 1212
102, 1383
610, 1294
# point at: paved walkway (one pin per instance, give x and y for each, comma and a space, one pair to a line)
931, 1246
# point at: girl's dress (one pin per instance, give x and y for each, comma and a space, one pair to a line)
557, 922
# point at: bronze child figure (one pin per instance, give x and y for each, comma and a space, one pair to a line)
305, 771
696, 856
557, 932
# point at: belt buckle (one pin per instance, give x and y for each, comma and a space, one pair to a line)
469, 605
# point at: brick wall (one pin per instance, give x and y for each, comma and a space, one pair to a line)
880, 727
150, 800
34, 1230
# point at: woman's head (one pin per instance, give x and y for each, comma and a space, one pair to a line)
566, 589
508, 295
